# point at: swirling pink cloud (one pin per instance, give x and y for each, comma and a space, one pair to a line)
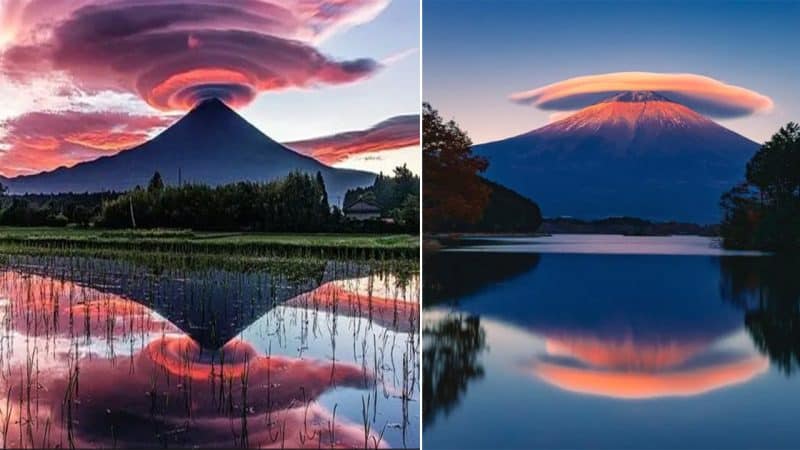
175, 53
703, 94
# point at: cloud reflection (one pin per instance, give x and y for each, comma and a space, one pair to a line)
631, 369
385, 303
91, 390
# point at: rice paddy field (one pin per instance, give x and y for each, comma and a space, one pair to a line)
207, 340
19, 239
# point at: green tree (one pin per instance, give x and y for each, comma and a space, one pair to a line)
408, 213
294, 203
323, 194
387, 192
156, 183
775, 168
764, 211
3, 191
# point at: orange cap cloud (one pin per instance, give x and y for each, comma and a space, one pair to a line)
704, 94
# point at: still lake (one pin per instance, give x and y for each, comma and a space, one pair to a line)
576, 341
115, 353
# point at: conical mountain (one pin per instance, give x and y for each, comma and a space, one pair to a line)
211, 144
633, 154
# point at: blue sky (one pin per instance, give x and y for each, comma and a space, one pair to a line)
476, 53
296, 114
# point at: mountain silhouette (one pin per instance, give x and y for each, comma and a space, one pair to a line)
636, 154
212, 144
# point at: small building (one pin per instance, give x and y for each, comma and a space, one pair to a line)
362, 210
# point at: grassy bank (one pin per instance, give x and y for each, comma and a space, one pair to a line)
251, 245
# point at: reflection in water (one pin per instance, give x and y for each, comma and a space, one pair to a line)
388, 303
621, 345
212, 305
457, 275
625, 353
648, 384
450, 362
638, 367
768, 290
613, 350
627, 369
84, 366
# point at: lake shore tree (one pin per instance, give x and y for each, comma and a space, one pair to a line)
763, 212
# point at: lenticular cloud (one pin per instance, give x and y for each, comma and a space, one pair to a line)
393, 133
176, 53
703, 94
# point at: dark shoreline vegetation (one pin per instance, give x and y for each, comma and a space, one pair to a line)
628, 226
763, 212
297, 203
456, 198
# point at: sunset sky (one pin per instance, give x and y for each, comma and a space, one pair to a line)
85, 78
514, 67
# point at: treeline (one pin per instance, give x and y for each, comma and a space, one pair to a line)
505, 212
630, 226
296, 203
763, 212
53, 210
396, 196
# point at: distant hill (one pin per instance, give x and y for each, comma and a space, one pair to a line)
630, 226
506, 212
211, 144
635, 154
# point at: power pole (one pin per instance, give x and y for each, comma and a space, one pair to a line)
133, 219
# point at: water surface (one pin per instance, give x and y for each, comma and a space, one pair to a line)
609, 342
103, 353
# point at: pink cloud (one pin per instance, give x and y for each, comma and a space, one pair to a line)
704, 94
175, 53
40, 141
396, 132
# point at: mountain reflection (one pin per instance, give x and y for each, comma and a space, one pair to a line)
212, 305
631, 327
768, 291
88, 367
